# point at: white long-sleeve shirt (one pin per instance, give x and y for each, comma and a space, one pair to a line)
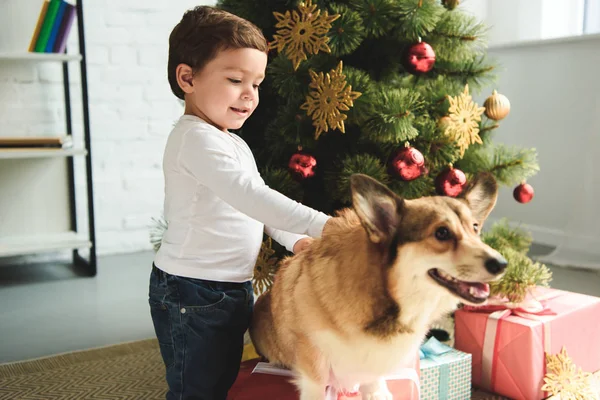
217, 206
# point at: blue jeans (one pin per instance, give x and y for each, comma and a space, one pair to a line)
200, 327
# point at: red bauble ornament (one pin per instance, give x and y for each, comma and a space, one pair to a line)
523, 193
302, 165
408, 164
419, 58
450, 182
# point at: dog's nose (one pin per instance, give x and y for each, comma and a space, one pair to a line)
496, 265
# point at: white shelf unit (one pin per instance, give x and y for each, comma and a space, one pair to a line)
38, 184
7, 154
37, 57
24, 245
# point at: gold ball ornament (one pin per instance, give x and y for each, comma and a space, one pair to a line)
450, 4
444, 123
496, 106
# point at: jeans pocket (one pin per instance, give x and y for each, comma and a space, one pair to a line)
161, 320
209, 303
199, 296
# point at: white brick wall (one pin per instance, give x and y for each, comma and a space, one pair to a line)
131, 109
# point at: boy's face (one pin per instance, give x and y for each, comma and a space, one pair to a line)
225, 92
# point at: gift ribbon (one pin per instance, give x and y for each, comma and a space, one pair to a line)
331, 392
532, 308
403, 374
432, 349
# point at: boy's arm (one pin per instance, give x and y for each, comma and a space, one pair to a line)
286, 239
206, 158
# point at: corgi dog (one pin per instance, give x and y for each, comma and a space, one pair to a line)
357, 304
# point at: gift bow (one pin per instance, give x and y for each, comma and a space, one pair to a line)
529, 308
432, 349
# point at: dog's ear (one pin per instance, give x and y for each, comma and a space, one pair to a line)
481, 194
377, 207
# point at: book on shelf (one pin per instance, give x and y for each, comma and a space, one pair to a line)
52, 27
33, 142
38, 25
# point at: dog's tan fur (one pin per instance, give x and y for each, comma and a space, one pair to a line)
359, 301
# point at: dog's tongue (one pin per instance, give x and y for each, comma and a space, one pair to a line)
475, 289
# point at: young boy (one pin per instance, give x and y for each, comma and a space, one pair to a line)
216, 204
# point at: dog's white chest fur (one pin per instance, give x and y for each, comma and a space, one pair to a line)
365, 359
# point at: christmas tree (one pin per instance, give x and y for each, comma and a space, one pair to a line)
380, 87
383, 88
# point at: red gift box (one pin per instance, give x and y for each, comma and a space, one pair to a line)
508, 344
260, 386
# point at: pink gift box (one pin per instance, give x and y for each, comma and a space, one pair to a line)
508, 345
252, 384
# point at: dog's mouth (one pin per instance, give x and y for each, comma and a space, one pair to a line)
473, 292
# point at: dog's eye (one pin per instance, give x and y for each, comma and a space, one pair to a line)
442, 233
476, 227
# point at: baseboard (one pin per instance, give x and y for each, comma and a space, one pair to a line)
578, 251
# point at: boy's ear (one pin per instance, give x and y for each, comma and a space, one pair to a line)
377, 207
185, 78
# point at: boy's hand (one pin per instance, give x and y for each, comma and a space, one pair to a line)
328, 225
302, 245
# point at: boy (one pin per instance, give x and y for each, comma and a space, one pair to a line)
216, 204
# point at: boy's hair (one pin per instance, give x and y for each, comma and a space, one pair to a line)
204, 31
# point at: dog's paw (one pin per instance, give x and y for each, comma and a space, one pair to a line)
309, 389
375, 391
379, 395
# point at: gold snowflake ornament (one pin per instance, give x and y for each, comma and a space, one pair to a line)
330, 95
564, 378
264, 269
463, 126
303, 32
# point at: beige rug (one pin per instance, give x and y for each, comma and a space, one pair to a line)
126, 371
130, 371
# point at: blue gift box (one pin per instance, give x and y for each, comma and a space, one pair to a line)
445, 372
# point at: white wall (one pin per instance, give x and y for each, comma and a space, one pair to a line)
516, 21
548, 71
554, 90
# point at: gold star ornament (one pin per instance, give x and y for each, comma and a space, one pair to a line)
463, 125
564, 378
330, 95
264, 269
302, 32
